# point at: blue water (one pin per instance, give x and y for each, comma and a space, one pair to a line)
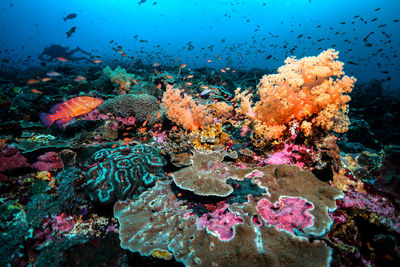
236, 34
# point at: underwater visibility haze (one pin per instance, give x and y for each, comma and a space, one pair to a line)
200, 133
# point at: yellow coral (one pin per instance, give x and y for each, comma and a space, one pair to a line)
161, 254
211, 136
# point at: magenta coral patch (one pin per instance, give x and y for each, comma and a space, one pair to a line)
11, 158
288, 213
220, 223
48, 161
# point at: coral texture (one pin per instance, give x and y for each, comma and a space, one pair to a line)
156, 221
184, 111
291, 181
11, 158
120, 173
120, 78
308, 90
288, 214
50, 160
208, 175
142, 107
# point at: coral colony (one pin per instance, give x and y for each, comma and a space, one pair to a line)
156, 171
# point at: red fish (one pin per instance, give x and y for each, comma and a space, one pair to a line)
64, 112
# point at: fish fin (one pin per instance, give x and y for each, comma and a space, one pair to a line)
54, 108
46, 119
62, 121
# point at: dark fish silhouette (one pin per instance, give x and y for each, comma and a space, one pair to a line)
71, 31
141, 2
70, 16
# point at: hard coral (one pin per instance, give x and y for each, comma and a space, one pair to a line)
311, 89
184, 111
156, 221
208, 175
122, 172
141, 106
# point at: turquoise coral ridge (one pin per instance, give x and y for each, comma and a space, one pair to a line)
120, 173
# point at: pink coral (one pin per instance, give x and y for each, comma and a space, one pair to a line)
288, 214
291, 154
50, 160
220, 223
11, 158
184, 111
309, 91
63, 223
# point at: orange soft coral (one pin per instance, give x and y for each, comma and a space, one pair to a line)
184, 111
310, 89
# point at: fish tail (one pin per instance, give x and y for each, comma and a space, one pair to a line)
65, 19
47, 119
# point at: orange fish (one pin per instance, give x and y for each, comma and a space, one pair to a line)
208, 60
156, 64
64, 112
183, 66
63, 59
222, 70
36, 91
32, 81
97, 61
190, 76
189, 83
169, 76
46, 79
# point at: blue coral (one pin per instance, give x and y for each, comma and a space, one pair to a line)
121, 173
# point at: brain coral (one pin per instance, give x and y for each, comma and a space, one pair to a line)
158, 221
141, 106
208, 175
118, 174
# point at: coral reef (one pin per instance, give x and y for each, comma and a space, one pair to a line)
120, 78
304, 91
120, 173
141, 107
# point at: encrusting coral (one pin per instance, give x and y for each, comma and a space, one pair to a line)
311, 91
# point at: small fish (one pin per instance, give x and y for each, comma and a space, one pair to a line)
46, 79
80, 79
189, 76
189, 83
63, 59
70, 16
32, 81
169, 76
71, 31
156, 64
183, 66
209, 60
53, 74
36, 91
64, 112
222, 70
97, 61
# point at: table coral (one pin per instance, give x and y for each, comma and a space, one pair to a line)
120, 173
156, 221
208, 175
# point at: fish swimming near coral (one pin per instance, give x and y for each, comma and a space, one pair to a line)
64, 112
